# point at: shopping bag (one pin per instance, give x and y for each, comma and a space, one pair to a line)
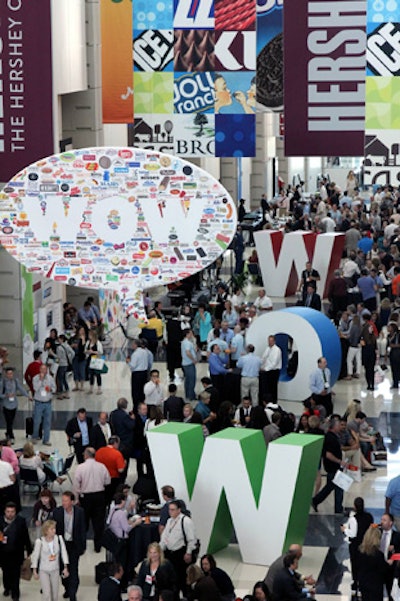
342, 480
395, 593
96, 363
26, 571
354, 471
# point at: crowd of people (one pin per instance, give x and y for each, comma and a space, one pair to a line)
240, 390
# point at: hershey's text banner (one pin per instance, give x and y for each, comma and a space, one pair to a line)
324, 82
26, 132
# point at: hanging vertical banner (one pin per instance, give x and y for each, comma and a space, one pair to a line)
194, 77
270, 55
324, 77
26, 101
116, 57
382, 122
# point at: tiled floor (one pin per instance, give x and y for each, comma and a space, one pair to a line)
325, 553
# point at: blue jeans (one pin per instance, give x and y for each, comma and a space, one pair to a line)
42, 411
190, 381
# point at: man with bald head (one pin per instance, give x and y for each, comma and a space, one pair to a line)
101, 432
278, 565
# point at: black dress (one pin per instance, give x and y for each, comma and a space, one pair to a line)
372, 570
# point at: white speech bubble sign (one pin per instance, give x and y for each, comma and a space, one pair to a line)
122, 219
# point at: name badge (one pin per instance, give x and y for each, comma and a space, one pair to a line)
43, 392
52, 557
149, 579
11, 398
326, 384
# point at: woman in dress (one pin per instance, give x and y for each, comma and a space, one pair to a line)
221, 578
94, 349
49, 560
372, 567
202, 325
156, 574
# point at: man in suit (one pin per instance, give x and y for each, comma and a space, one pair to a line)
278, 565
123, 423
110, 587
312, 299
390, 544
70, 520
215, 399
101, 432
15, 541
78, 430
140, 448
243, 413
287, 584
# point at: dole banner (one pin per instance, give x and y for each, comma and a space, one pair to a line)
324, 81
25, 84
194, 77
116, 58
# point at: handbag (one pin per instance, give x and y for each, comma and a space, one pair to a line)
342, 480
395, 592
26, 570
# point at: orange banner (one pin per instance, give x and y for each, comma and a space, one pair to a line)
117, 67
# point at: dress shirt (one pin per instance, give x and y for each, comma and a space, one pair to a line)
118, 522
172, 537
187, 345
393, 493
139, 360
91, 476
68, 525
263, 304
317, 380
84, 431
385, 542
237, 343
250, 365
227, 335
153, 394
11, 387
8, 454
203, 409
6, 472
39, 386
272, 358
216, 364
221, 343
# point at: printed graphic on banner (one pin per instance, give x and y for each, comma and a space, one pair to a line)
383, 49
381, 164
193, 14
159, 17
235, 15
235, 50
116, 218
152, 132
153, 92
26, 131
270, 54
194, 50
194, 135
383, 100
324, 77
235, 93
116, 57
153, 50
235, 135
193, 93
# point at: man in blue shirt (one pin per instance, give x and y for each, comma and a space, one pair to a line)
250, 365
218, 369
320, 385
368, 288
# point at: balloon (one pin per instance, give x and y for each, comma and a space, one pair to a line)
121, 219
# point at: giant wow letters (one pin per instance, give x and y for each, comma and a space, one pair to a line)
230, 480
314, 336
283, 257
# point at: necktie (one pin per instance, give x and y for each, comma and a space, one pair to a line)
384, 542
324, 376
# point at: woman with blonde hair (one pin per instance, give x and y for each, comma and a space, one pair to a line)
201, 587
372, 567
49, 560
156, 574
31, 461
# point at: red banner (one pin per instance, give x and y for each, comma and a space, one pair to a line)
26, 121
324, 82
